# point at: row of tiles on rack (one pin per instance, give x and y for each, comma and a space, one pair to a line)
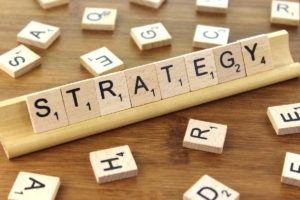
103, 95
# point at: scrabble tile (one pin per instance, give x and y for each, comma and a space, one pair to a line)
99, 19
229, 62
46, 110
172, 77
257, 54
285, 119
210, 36
29, 186
142, 85
214, 6
205, 136
151, 36
210, 189
291, 169
113, 164
149, 3
112, 93
38, 35
285, 12
201, 69
80, 101
46, 4
101, 61
18, 61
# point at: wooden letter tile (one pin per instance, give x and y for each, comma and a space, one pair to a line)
257, 54
285, 12
142, 85
151, 36
112, 93
210, 36
113, 164
101, 61
285, 119
18, 61
149, 3
29, 186
81, 101
201, 69
46, 110
99, 19
38, 35
172, 77
210, 189
46, 4
214, 6
205, 136
291, 169
229, 62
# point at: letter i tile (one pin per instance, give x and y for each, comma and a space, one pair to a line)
113, 164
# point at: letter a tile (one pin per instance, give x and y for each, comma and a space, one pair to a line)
113, 164
205, 136
291, 169
38, 35
29, 186
81, 101
285, 119
46, 110
285, 12
208, 188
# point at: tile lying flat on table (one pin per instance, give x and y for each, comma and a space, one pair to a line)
99, 19
149, 3
80, 101
210, 36
113, 164
208, 188
46, 110
29, 186
285, 12
151, 36
38, 35
291, 169
201, 69
142, 85
46, 4
214, 6
18, 61
101, 61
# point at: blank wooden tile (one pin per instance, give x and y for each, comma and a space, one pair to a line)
46, 110
46, 4
285, 12
38, 35
81, 101
214, 6
142, 85
18, 61
291, 169
112, 93
210, 36
257, 54
201, 69
172, 77
151, 36
285, 118
208, 188
229, 62
101, 61
99, 19
149, 3
113, 164
29, 186
205, 136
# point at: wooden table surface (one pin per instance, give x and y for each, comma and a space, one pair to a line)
253, 155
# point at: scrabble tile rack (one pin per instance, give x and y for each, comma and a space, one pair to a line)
17, 136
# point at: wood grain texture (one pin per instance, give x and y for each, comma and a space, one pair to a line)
157, 143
